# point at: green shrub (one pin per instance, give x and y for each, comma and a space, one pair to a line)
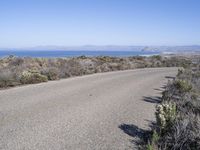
149, 147
51, 73
183, 86
165, 115
153, 145
7, 78
157, 57
155, 137
30, 77
177, 117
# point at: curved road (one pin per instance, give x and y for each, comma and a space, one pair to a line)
89, 112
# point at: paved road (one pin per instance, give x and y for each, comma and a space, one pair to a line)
81, 112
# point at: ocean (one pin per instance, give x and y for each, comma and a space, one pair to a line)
58, 53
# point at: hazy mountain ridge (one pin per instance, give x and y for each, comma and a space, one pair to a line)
189, 48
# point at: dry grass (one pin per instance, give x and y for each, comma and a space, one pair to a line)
12, 68
178, 125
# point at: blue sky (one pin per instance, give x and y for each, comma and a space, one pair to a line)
27, 23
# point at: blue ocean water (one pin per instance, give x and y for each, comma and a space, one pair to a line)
58, 53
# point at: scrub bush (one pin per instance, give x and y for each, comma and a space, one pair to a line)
30, 77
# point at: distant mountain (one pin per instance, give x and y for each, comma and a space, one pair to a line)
89, 48
191, 48
174, 49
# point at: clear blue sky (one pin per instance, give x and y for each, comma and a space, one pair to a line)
99, 22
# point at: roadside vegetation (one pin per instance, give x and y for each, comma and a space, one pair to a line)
18, 71
178, 115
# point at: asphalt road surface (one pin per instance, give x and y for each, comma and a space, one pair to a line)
99, 111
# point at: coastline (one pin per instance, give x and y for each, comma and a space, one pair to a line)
59, 53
